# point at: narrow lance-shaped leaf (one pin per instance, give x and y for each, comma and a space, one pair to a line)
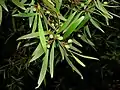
24, 15
73, 27
77, 43
42, 35
2, 3
88, 31
58, 4
88, 57
34, 24
31, 18
49, 4
29, 36
19, 4
51, 62
86, 19
43, 69
85, 39
62, 52
72, 66
0, 15
78, 61
96, 25
37, 53
65, 24
75, 49
74, 20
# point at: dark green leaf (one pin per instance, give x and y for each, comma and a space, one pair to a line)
65, 24
73, 27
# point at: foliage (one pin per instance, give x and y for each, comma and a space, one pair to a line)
54, 31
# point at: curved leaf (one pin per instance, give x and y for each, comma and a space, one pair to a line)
43, 69
73, 67
19, 4
29, 36
37, 53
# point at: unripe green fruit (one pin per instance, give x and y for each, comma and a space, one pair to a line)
79, 35
58, 35
105, 3
70, 41
48, 46
82, 4
51, 36
60, 38
67, 46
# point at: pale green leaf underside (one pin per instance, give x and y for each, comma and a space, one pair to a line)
43, 69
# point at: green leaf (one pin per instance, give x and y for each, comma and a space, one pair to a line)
74, 20
31, 18
85, 39
86, 19
49, 4
77, 43
37, 53
78, 61
29, 44
72, 66
2, 3
75, 49
62, 52
96, 25
23, 1
88, 31
83, 56
42, 35
29, 36
0, 15
34, 24
65, 24
73, 27
58, 5
51, 63
19, 4
24, 15
114, 14
43, 69
88, 57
